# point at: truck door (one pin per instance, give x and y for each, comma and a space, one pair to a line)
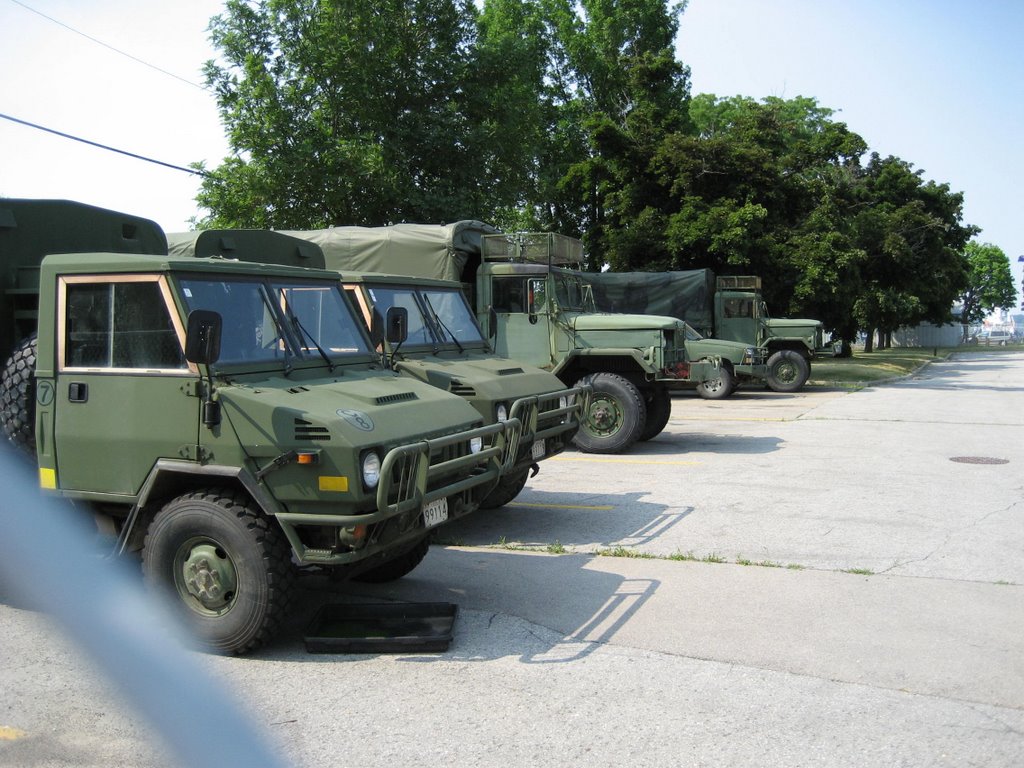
736, 317
125, 394
523, 330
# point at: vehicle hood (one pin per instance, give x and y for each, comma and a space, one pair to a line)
611, 321
781, 326
492, 378
355, 409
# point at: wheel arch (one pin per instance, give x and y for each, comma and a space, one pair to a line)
170, 478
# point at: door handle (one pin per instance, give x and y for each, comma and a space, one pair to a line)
78, 392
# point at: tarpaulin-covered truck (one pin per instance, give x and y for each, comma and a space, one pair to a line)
223, 418
536, 310
443, 347
726, 307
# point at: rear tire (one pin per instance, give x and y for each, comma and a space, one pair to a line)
787, 371
659, 408
227, 564
18, 396
616, 416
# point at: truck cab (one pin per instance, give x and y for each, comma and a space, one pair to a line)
224, 419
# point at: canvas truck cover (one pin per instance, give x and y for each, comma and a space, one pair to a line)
262, 246
32, 229
445, 251
686, 295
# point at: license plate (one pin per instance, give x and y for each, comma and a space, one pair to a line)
435, 512
538, 449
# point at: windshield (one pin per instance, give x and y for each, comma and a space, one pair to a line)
277, 320
691, 334
569, 291
436, 315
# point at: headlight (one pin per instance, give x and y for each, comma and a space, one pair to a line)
371, 470
476, 444
502, 412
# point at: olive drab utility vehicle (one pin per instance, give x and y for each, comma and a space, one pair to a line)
728, 308
444, 346
223, 418
535, 310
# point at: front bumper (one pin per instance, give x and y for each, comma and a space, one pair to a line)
550, 421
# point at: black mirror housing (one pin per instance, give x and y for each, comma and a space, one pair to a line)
397, 325
202, 340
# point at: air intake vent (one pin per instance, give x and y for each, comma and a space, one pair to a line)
304, 430
456, 387
509, 371
296, 390
401, 397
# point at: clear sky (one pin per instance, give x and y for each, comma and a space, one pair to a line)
937, 83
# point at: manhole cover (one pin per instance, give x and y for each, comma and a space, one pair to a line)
979, 460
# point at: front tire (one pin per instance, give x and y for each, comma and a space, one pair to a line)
718, 388
616, 417
227, 565
788, 371
506, 490
398, 567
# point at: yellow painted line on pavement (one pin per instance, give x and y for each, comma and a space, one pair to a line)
559, 506
625, 461
10, 734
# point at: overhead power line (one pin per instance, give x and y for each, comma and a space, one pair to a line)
110, 47
193, 171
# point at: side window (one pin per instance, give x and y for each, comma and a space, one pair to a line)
738, 308
119, 325
508, 294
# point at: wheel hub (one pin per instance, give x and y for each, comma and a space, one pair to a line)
604, 416
208, 575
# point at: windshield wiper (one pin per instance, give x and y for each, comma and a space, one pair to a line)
437, 319
305, 336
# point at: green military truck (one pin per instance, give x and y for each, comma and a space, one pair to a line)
727, 308
224, 418
535, 310
444, 346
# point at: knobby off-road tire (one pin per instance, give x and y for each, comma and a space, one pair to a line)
787, 371
659, 408
226, 565
719, 387
18, 396
507, 489
398, 567
616, 417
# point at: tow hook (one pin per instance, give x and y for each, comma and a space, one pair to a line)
534, 469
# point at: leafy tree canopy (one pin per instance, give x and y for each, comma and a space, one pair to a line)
989, 283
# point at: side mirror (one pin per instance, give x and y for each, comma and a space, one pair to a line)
397, 325
492, 322
202, 340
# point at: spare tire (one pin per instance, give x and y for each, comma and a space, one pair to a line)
18, 396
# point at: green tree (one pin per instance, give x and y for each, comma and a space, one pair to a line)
989, 284
766, 188
617, 90
357, 112
912, 233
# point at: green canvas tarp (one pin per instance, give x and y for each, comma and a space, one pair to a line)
686, 295
257, 245
445, 251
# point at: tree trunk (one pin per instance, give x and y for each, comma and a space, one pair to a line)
869, 342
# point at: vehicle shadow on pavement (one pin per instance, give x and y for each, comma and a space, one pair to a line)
539, 519
673, 440
545, 609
